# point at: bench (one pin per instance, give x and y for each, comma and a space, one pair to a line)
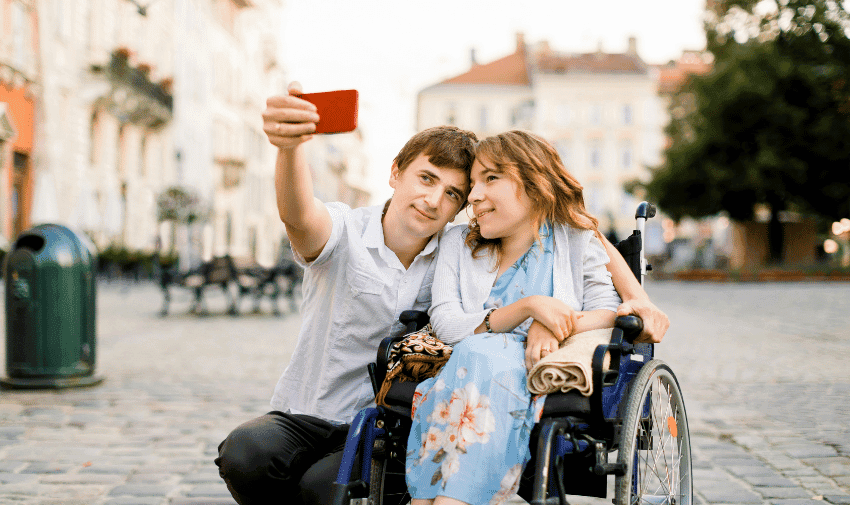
218, 272
247, 277
259, 282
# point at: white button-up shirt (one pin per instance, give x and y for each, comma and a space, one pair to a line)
353, 294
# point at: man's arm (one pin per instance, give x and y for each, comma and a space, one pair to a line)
289, 122
635, 299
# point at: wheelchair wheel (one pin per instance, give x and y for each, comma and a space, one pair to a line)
386, 482
655, 446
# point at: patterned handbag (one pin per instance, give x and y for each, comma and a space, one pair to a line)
416, 357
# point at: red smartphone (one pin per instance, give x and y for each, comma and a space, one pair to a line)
337, 110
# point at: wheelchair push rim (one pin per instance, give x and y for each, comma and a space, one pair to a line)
655, 444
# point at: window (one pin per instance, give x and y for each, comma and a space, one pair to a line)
626, 157
593, 199
627, 114
64, 18
122, 150
143, 155
522, 114
596, 114
562, 115
595, 155
20, 35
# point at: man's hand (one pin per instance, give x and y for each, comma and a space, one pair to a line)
655, 322
288, 120
540, 342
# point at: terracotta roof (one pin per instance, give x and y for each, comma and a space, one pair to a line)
672, 76
511, 69
597, 63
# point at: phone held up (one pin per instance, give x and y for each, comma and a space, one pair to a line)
337, 110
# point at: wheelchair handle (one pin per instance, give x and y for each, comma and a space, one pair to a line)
632, 327
645, 210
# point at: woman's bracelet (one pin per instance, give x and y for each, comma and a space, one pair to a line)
487, 320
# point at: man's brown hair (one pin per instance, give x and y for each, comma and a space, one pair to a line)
445, 147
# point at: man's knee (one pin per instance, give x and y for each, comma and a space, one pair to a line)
317, 482
249, 456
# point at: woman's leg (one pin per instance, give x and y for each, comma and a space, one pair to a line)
469, 437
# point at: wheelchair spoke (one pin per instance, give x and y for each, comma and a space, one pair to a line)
655, 443
659, 473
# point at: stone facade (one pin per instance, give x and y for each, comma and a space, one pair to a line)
109, 102
19, 87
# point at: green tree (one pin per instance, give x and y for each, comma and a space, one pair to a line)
770, 124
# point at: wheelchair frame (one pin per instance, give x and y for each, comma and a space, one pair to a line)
637, 410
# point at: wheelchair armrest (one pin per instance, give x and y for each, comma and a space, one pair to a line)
413, 320
626, 330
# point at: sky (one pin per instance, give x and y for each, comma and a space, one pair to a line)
389, 50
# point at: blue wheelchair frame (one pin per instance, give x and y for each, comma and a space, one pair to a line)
575, 434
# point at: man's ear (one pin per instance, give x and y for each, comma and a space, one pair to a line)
394, 173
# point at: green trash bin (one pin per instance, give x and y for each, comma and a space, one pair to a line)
50, 310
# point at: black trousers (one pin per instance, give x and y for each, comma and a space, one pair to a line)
282, 458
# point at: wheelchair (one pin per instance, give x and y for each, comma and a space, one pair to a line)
633, 427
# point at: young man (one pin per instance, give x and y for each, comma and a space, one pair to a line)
363, 267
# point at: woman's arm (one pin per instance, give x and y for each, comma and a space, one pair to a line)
448, 318
594, 320
635, 299
556, 315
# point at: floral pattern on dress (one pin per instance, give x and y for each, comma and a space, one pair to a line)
467, 419
472, 422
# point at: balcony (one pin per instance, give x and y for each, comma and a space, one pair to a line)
135, 98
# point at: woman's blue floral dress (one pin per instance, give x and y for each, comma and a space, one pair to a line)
472, 422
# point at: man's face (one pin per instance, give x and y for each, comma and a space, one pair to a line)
426, 197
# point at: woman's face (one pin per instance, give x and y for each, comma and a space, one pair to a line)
502, 207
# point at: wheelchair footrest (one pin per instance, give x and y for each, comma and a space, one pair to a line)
602, 467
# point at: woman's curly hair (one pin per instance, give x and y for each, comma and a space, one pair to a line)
535, 166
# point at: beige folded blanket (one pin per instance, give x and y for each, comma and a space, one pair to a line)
570, 366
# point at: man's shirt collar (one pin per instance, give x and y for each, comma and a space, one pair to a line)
373, 236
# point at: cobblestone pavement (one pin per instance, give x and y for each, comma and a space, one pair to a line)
762, 367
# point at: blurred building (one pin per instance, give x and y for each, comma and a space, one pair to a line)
104, 104
339, 167
600, 110
236, 55
19, 87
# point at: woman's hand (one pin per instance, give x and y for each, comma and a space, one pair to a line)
558, 317
540, 343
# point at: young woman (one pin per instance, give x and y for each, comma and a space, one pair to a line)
528, 272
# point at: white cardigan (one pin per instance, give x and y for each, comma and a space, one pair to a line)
462, 284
